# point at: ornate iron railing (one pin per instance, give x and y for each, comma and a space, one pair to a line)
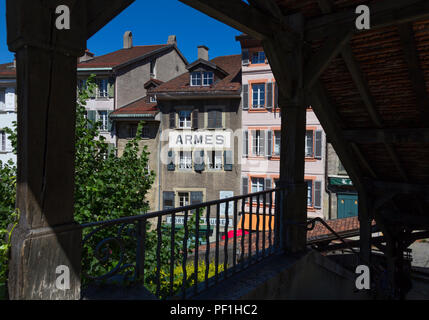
180, 252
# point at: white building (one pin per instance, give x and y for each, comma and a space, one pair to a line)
8, 108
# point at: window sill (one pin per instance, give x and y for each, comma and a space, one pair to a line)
258, 110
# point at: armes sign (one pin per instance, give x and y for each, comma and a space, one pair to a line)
199, 139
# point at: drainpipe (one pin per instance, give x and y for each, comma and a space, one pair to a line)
329, 192
159, 164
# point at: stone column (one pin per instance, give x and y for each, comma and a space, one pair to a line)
47, 236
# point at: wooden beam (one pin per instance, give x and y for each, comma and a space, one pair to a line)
394, 156
390, 136
361, 84
239, 15
399, 187
414, 68
321, 60
362, 159
270, 6
383, 13
327, 116
99, 14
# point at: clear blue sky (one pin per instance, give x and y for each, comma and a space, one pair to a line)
151, 23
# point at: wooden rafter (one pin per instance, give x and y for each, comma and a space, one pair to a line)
383, 13
414, 68
243, 17
391, 136
399, 187
321, 60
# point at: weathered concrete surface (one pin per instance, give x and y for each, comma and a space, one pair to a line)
308, 276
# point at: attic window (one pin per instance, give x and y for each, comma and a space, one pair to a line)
258, 57
204, 78
152, 98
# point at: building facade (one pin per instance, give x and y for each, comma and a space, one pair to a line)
8, 109
342, 195
200, 128
261, 132
121, 76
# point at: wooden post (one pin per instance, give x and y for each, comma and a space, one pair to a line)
46, 245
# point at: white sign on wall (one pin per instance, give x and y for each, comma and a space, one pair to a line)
223, 195
199, 139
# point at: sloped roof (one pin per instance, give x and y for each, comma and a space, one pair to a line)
122, 56
7, 70
139, 107
231, 64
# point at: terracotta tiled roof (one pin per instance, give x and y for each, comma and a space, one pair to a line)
141, 106
7, 70
231, 83
119, 57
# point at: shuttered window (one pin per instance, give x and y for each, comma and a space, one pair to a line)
227, 160
258, 96
309, 138
277, 135
172, 120
214, 118
258, 142
245, 185
318, 194
168, 200
269, 144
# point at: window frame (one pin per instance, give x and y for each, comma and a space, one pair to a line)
258, 106
185, 121
260, 56
211, 160
102, 93
275, 154
307, 156
104, 120
185, 163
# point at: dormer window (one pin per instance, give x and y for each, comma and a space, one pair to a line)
152, 99
258, 57
204, 78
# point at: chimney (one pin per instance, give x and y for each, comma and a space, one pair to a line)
128, 40
172, 40
203, 53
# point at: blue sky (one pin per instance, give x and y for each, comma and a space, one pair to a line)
151, 23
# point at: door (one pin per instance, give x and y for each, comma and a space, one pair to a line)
347, 205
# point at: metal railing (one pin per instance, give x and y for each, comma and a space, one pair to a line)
179, 252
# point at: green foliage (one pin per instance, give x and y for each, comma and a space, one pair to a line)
178, 277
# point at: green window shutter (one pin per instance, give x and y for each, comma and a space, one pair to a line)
170, 161
199, 160
211, 119
91, 116
269, 90
245, 185
245, 143
268, 184
318, 146
172, 120
318, 194
195, 119
269, 143
109, 121
168, 200
227, 163
245, 96
276, 95
111, 88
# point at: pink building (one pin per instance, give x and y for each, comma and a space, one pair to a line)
261, 132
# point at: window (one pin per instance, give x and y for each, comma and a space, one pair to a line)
152, 99
102, 88
309, 143
81, 84
132, 131
185, 119
257, 184
2, 141
207, 78
277, 135
195, 78
258, 143
146, 132
215, 160
185, 162
204, 78
258, 57
103, 117
258, 100
214, 118
309, 193
183, 199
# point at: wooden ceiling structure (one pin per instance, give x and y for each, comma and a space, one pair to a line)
369, 89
